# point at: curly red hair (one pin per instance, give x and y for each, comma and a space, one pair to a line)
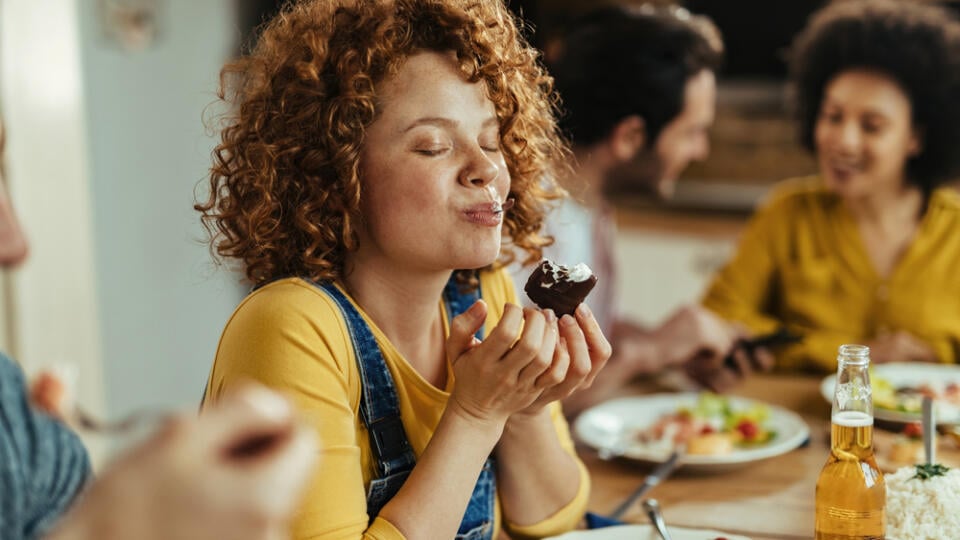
285, 185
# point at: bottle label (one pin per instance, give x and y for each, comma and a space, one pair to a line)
852, 392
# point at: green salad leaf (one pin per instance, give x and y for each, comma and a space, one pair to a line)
927, 471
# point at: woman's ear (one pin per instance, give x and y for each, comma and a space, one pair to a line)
628, 137
915, 146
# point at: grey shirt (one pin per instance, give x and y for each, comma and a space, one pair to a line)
43, 465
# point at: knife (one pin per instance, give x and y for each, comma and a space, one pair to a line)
652, 480
929, 431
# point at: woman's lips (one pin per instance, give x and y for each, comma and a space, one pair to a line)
842, 174
488, 214
841, 169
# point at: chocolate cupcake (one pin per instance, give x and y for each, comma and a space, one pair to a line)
560, 288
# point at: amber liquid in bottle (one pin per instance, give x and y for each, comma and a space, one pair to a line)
851, 494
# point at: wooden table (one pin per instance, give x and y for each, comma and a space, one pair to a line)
771, 499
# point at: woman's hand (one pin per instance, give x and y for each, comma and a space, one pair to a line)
900, 346
581, 353
528, 360
510, 368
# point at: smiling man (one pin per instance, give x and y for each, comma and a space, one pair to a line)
638, 90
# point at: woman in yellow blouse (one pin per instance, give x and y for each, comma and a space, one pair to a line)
869, 250
376, 150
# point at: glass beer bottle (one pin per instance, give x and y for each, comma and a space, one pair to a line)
851, 494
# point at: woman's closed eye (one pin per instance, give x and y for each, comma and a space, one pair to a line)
490, 144
431, 149
831, 117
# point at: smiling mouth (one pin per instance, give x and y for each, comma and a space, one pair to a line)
843, 169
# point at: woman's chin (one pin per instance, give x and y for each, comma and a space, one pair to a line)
844, 186
478, 259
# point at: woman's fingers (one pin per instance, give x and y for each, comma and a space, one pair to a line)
529, 374
572, 363
501, 339
597, 344
527, 347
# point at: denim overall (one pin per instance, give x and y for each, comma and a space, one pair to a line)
380, 412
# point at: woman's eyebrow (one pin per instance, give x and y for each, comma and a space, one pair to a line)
432, 121
445, 122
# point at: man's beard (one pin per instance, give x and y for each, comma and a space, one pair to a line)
643, 175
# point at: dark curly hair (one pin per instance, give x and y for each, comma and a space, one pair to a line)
285, 185
622, 61
915, 44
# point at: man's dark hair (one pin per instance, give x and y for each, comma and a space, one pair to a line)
915, 44
618, 61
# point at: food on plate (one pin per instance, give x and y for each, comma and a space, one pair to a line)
558, 287
710, 444
907, 448
923, 501
909, 399
712, 426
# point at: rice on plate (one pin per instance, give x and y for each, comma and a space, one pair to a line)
923, 509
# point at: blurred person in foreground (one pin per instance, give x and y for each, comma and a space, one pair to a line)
234, 473
638, 91
43, 465
379, 155
867, 251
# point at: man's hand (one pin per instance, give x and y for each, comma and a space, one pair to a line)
693, 332
235, 472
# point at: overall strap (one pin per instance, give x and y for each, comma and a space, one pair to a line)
379, 405
380, 412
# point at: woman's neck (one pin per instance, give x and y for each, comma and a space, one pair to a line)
888, 224
402, 304
405, 307
888, 210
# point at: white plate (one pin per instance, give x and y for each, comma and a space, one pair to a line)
909, 374
604, 426
645, 532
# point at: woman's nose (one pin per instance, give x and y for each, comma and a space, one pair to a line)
13, 243
849, 136
479, 169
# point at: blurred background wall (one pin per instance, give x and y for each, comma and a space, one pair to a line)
162, 303
104, 102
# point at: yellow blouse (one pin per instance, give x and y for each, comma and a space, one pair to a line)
801, 263
291, 336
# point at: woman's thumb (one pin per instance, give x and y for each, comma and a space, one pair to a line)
462, 330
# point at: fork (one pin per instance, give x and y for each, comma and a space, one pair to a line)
596, 521
652, 508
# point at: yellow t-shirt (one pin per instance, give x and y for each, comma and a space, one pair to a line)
801, 263
291, 336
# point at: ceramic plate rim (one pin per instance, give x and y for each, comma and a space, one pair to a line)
640, 531
827, 384
792, 431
